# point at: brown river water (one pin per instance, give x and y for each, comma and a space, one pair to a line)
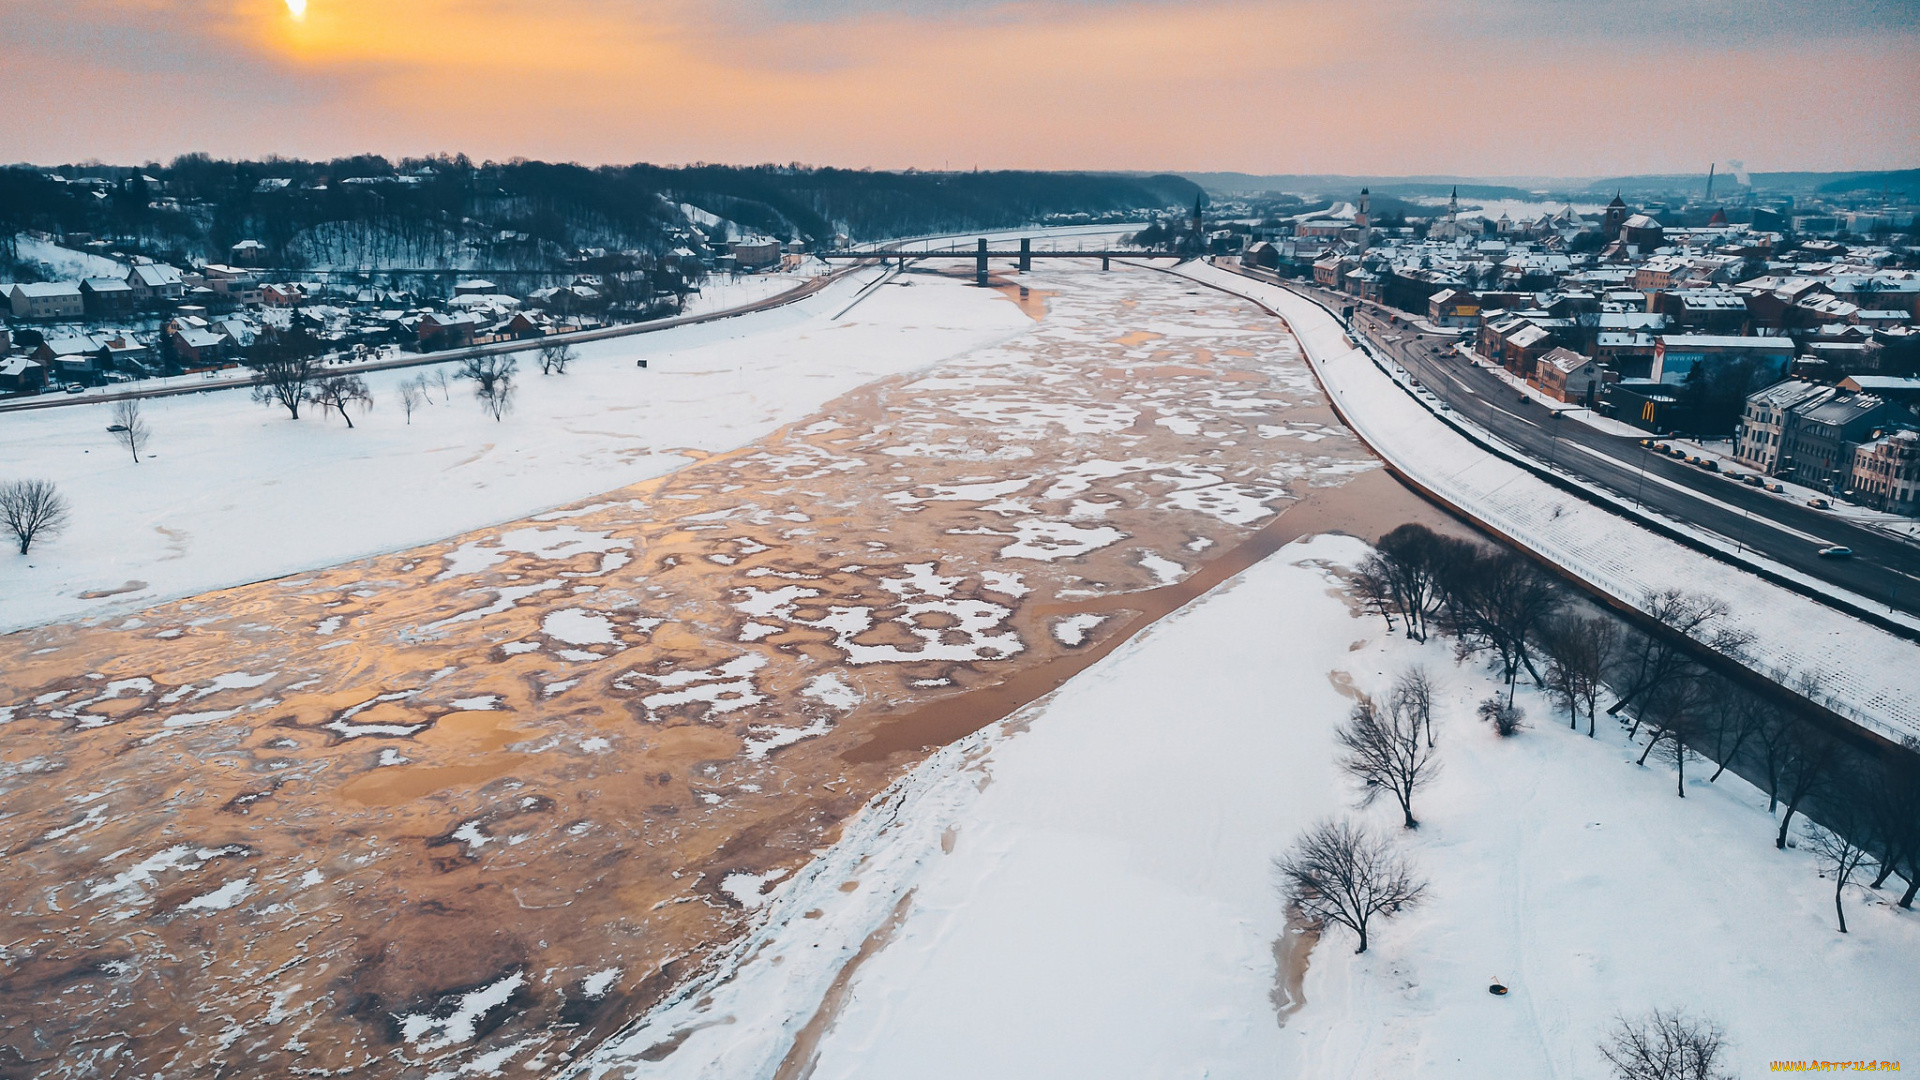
474, 802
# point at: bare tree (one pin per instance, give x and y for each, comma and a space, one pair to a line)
554, 357
1338, 872
1385, 752
1657, 659
1666, 1044
1804, 769
1374, 585
492, 377
1891, 811
32, 509
128, 428
340, 391
1736, 718
1840, 856
1501, 605
410, 398
1413, 691
1674, 713
286, 362
1410, 566
1579, 651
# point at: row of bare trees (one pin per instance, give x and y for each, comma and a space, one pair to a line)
1497, 605
291, 378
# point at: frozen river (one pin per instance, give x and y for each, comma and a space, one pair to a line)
485, 799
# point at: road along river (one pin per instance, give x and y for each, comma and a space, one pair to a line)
477, 803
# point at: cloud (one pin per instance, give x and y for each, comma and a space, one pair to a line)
1377, 86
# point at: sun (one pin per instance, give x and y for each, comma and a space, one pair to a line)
297, 8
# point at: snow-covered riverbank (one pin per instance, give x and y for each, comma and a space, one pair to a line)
230, 491
1086, 891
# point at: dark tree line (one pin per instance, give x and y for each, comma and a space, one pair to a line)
203, 204
1499, 606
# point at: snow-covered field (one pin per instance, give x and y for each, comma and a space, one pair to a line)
231, 491
1086, 891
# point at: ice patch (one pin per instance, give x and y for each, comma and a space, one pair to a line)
831, 689
555, 544
1073, 630
1165, 571
221, 898
577, 627
596, 985
1046, 541
429, 1032
750, 890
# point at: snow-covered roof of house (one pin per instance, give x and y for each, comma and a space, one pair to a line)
106, 285
1566, 360
1784, 395
15, 366
155, 275
75, 345
47, 288
200, 339
1528, 335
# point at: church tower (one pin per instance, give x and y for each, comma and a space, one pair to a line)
1616, 218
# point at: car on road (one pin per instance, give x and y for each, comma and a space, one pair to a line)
76, 388
1773, 487
1818, 503
1753, 481
1836, 551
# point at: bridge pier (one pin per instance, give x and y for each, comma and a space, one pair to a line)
1105, 263
980, 266
1026, 255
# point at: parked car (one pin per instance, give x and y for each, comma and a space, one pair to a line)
1773, 487
1753, 481
1836, 551
1818, 503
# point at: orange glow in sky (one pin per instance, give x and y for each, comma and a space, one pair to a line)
1476, 87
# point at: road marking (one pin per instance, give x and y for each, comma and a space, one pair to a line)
1703, 496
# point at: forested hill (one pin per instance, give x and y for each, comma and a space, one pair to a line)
450, 211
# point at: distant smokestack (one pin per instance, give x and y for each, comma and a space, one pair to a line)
1710, 170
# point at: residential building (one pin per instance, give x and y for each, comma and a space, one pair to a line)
1886, 473
1453, 307
1567, 376
106, 298
21, 375
48, 300
155, 283
1763, 424
1817, 447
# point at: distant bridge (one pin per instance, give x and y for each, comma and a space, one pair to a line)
1024, 255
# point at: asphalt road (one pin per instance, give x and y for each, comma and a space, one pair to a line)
1884, 568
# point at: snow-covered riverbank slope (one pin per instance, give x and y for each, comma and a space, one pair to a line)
1087, 891
230, 491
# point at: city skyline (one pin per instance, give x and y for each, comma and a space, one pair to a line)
1383, 87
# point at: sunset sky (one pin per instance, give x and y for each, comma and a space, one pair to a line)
1474, 87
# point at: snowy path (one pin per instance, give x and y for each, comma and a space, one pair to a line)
1869, 674
1084, 891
